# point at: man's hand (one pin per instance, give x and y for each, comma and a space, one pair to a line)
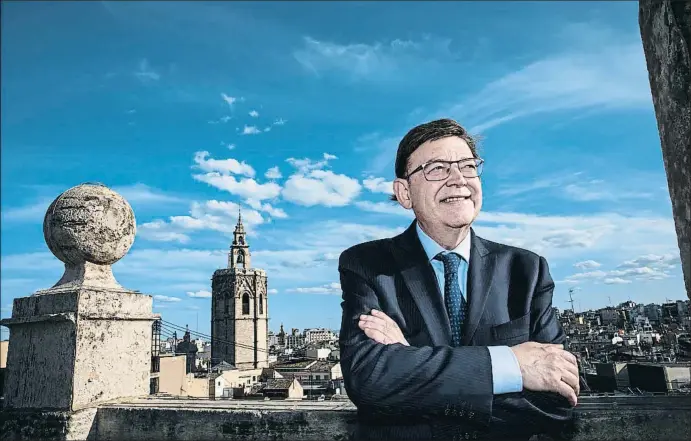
381, 328
548, 367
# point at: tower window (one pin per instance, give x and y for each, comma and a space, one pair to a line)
245, 304
241, 258
261, 304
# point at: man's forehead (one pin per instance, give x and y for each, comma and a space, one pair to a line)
445, 148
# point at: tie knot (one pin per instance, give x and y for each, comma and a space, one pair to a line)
451, 260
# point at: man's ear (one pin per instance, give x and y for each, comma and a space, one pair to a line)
400, 189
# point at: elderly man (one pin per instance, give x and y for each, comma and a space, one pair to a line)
446, 335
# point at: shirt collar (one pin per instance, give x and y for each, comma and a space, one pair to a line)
432, 248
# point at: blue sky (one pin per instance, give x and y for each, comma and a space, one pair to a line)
294, 112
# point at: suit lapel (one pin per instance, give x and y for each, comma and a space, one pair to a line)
479, 283
418, 275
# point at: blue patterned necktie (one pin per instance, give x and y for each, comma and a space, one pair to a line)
455, 303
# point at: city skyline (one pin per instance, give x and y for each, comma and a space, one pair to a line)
296, 121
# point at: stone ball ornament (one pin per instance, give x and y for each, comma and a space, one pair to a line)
89, 223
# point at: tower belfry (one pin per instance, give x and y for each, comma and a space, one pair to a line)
239, 255
239, 308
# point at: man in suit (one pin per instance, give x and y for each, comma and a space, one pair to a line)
446, 335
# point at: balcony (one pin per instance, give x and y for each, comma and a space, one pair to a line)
602, 418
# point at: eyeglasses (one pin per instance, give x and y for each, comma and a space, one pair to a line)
439, 170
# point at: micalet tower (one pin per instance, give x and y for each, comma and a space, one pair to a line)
239, 309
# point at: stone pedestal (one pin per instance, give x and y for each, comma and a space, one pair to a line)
77, 348
85, 341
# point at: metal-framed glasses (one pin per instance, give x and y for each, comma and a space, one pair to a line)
438, 170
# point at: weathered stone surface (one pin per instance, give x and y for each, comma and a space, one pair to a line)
72, 350
89, 228
48, 426
87, 340
634, 418
666, 34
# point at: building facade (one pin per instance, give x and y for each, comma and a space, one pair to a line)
239, 309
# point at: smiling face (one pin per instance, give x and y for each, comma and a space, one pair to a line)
452, 203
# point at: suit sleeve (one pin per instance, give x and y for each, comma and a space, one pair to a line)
399, 380
528, 412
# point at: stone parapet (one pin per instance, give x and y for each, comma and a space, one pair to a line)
633, 418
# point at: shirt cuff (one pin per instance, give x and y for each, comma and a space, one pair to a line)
506, 372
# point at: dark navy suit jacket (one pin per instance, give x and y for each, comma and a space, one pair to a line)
431, 390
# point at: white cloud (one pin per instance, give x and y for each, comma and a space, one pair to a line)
145, 73
579, 187
267, 208
159, 231
250, 130
245, 188
369, 61
597, 191
228, 99
598, 76
279, 122
254, 113
329, 238
273, 173
33, 212
380, 149
166, 299
139, 195
220, 216
217, 176
229, 165
174, 271
378, 185
329, 288
616, 281
575, 236
389, 207
222, 120
568, 237
666, 261
305, 164
200, 294
301, 255
144, 194
587, 264
643, 268
321, 187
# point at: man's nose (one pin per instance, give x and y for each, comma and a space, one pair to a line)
455, 175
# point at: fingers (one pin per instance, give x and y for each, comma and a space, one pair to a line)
572, 368
381, 315
381, 328
565, 390
569, 357
372, 323
376, 327
377, 336
572, 380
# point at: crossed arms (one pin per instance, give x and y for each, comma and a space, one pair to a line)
386, 376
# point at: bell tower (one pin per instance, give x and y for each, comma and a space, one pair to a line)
239, 309
239, 255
